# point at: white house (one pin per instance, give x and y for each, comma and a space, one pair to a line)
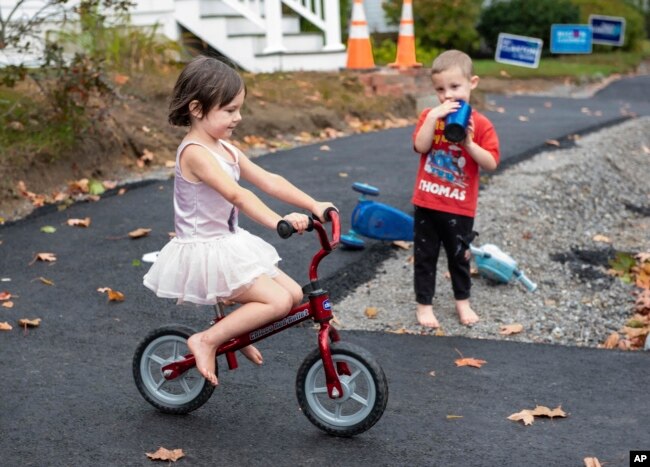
258, 35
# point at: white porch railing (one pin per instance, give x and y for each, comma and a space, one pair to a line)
267, 15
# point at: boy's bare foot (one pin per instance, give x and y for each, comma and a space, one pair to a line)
204, 355
251, 353
426, 317
465, 313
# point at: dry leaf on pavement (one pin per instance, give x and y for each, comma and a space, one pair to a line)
50, 257
8, 304
163, 454
4, 326
138, 233
468, 361
85, 222
528, 416
5, 295
113, 295
592, 462
45, 281
29, 323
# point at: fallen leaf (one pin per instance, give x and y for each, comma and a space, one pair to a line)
45, 281
96, 188
454, 417
552, 142
8, 304
432, 374
113, 295
371, 312
525, 416
468, 361
612, 341
601, 239
343, 175
29, 323
138, 233
120, 79
4, 326
592, 462
48, 229
163, 454
402, 244
508, 329
325, 147
523, 118
5, 295
85, 222
48, 257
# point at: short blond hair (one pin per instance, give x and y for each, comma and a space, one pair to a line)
452, 58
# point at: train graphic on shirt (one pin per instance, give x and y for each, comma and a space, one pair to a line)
447, 166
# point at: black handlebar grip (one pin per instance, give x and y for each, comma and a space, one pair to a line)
286, 230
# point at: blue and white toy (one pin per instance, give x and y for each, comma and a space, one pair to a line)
496, 265
376, 220
380, 221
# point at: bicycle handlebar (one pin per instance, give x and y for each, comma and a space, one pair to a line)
285, 229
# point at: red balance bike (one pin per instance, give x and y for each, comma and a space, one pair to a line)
340, 387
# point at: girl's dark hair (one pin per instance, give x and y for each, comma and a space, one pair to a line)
206, 80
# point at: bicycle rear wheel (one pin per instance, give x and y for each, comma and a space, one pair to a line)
365, 391
181, 395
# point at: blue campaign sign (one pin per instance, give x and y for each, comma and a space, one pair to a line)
609, 30
518, 50
571, 39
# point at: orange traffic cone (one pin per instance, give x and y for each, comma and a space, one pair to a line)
359, 47
406, 39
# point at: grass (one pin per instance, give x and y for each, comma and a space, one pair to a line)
23, 131
580, 67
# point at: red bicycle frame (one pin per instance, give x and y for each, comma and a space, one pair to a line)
317, 308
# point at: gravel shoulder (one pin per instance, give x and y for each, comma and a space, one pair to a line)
550, 213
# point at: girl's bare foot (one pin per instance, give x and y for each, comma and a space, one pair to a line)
426, 317
204, 354
251, 353
465, 313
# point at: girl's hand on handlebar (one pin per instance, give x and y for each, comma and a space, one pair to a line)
320, 208
298, 221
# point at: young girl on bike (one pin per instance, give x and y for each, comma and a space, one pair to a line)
211, 258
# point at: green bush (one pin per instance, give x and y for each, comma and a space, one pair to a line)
525, 18
384, 51
441, 24
635, 31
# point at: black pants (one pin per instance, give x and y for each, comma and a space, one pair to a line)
433, 228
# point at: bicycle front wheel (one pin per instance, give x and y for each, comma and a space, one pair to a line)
365, 391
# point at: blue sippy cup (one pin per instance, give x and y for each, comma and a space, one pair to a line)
456, 123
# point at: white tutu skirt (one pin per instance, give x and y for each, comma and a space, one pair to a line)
205, 272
